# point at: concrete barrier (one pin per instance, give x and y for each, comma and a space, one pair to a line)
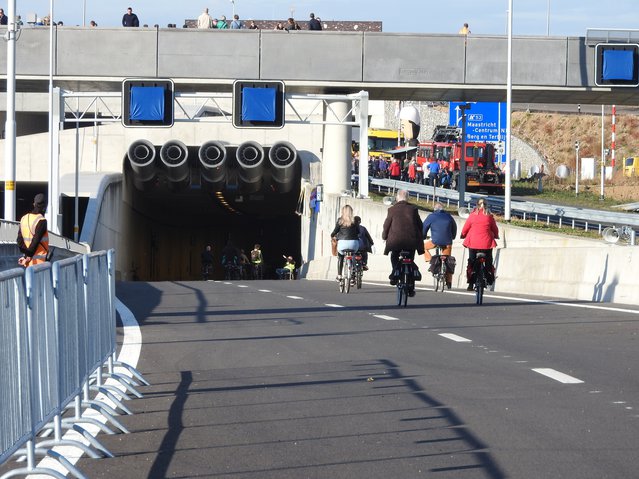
528, 262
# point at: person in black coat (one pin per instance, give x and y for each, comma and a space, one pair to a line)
402, 231
130, 19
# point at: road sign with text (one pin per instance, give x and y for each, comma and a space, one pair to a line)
484, 121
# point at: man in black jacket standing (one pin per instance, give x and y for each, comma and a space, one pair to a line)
130, 19
402, 231
314, 23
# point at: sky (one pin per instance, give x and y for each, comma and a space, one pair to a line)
485, 17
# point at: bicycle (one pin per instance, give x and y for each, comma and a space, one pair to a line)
358, 270
406, 278
231, 272
257, 270
479, 270
348, 273
439, 277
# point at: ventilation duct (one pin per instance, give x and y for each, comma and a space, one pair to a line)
250, 158
175, 155
283, 156
212, 157
141, 155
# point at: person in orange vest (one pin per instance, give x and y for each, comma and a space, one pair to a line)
33, 236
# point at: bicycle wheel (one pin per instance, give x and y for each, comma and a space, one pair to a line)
342, 285
360, 273
442, 276
479, 285
402, 294
348, 272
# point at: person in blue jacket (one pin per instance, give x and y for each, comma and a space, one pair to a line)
443, 230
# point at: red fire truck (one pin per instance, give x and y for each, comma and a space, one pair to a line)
482, 173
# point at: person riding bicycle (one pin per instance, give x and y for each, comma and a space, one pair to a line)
479, 233
256, 260
347, 233
402, 231
443, 229
365, 242
207, 262
230, 259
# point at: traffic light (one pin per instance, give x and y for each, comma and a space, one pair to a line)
258, 104
617, 64
147, 103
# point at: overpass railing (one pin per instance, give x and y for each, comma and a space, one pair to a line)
561, 215
58, 332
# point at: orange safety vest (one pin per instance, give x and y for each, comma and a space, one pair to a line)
28, 225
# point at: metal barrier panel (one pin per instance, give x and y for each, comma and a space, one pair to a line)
97, 300
71, 326
15, 413
43, 343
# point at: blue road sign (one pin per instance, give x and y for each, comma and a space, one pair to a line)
484, 121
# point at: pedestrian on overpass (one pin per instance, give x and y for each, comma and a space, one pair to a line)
33, 237
130, 19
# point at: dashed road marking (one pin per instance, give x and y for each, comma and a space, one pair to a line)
557, 376
331, 305
454, 337
387, 318
264, 290
242, 286
295, 297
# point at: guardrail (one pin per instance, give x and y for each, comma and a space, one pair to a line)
556, 214
58, 331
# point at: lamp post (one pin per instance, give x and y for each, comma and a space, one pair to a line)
10, 121
233, 2
548, 20
509, 107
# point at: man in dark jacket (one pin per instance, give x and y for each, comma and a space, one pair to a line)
402, 231
443, 229
130, 19
314, 23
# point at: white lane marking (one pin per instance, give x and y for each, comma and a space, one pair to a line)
295, 297
454, 337
387, 318
264, 290
227, 282
242, 286
130, 354
557, 376
331, 305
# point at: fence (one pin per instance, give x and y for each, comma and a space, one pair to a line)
58, 331
556, 214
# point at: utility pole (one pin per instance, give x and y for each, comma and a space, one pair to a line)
577, 168
461, 184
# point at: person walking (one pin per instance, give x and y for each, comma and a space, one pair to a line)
464, 30
33, 236
130, 19
237, 24
3, 17
479, 234
402, 231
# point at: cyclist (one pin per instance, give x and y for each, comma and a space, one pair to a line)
443, 229
402, 231
365, 242
287, 269
207, 262
230, 260
256, 261
479, 233
347, 234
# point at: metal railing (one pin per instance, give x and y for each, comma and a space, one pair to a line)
58, 331
575, 217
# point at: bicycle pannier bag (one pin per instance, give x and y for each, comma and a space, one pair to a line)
451, 262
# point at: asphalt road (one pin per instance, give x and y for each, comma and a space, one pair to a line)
291, 379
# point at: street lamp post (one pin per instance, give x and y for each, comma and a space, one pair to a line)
509, 107
10, 121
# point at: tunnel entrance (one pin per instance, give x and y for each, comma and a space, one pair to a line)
170, 216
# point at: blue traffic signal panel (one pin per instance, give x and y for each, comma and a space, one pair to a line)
258, 104
617, 64
147, 103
